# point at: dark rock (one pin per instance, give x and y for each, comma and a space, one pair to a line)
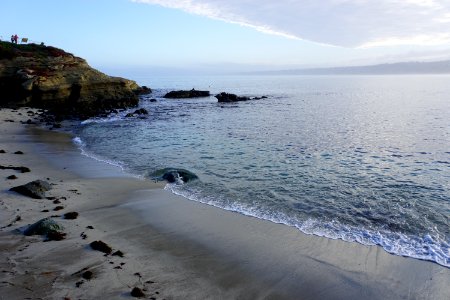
59, 207
145, 90
226, 97
90, 227
71, 215
173, 175
101, 246
43, 227
11, 177
153, 100
87, 275
137, 293
18, 152
55, 236
186, 94
2, 151
137, 112
45, 210
35, 189
56, 201
118, 253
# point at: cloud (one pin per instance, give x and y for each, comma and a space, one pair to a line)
346, 23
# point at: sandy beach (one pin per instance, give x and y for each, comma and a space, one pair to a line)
173, 248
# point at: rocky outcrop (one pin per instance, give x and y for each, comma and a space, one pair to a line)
227, 97
187, 94
50, 78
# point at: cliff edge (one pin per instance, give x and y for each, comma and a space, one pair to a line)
47, 77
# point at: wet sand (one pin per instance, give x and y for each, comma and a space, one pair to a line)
174, 248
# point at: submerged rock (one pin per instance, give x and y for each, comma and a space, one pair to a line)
181, 94
137, 112
174, 175
43, 227
35, 189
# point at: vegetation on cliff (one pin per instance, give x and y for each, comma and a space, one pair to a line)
48, 77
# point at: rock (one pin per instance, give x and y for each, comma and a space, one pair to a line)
71, 215
50, 78
153, 100
137, 293
35, 189
137, 112
101, 246
18, 152
55, 236
118, 253
226, 97
173, 175
2, 151
59, 207
181, 94
145, 90
43, 227
21, 169
11, 177
87, 275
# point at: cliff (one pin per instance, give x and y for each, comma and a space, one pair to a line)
50, 78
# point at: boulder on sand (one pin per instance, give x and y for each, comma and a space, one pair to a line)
43, 227
35, 189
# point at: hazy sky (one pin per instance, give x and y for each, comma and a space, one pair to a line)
232, 35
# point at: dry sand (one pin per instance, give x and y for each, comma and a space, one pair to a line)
174, 248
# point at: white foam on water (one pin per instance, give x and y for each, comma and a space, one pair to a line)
81, 145
427, 247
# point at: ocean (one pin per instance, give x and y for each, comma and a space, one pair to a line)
360, 158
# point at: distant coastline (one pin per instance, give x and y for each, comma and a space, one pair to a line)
401, 68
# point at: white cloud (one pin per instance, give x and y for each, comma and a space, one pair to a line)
347, 23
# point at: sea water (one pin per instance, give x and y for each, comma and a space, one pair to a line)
359, 158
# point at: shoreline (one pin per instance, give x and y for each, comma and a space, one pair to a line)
185, 249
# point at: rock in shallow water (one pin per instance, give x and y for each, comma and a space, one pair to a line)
186, 94
174, 175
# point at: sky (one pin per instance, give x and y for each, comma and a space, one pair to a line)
234, 35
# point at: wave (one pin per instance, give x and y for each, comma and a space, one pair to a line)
427, 247
81, 145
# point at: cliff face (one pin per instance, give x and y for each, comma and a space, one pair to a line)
47, 77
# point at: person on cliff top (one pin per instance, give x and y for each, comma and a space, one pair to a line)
16, 38
12, 38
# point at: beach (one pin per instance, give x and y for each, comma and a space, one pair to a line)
173, 248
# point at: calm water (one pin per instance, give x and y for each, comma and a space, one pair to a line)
360, 158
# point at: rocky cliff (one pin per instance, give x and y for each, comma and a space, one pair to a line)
47, 77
